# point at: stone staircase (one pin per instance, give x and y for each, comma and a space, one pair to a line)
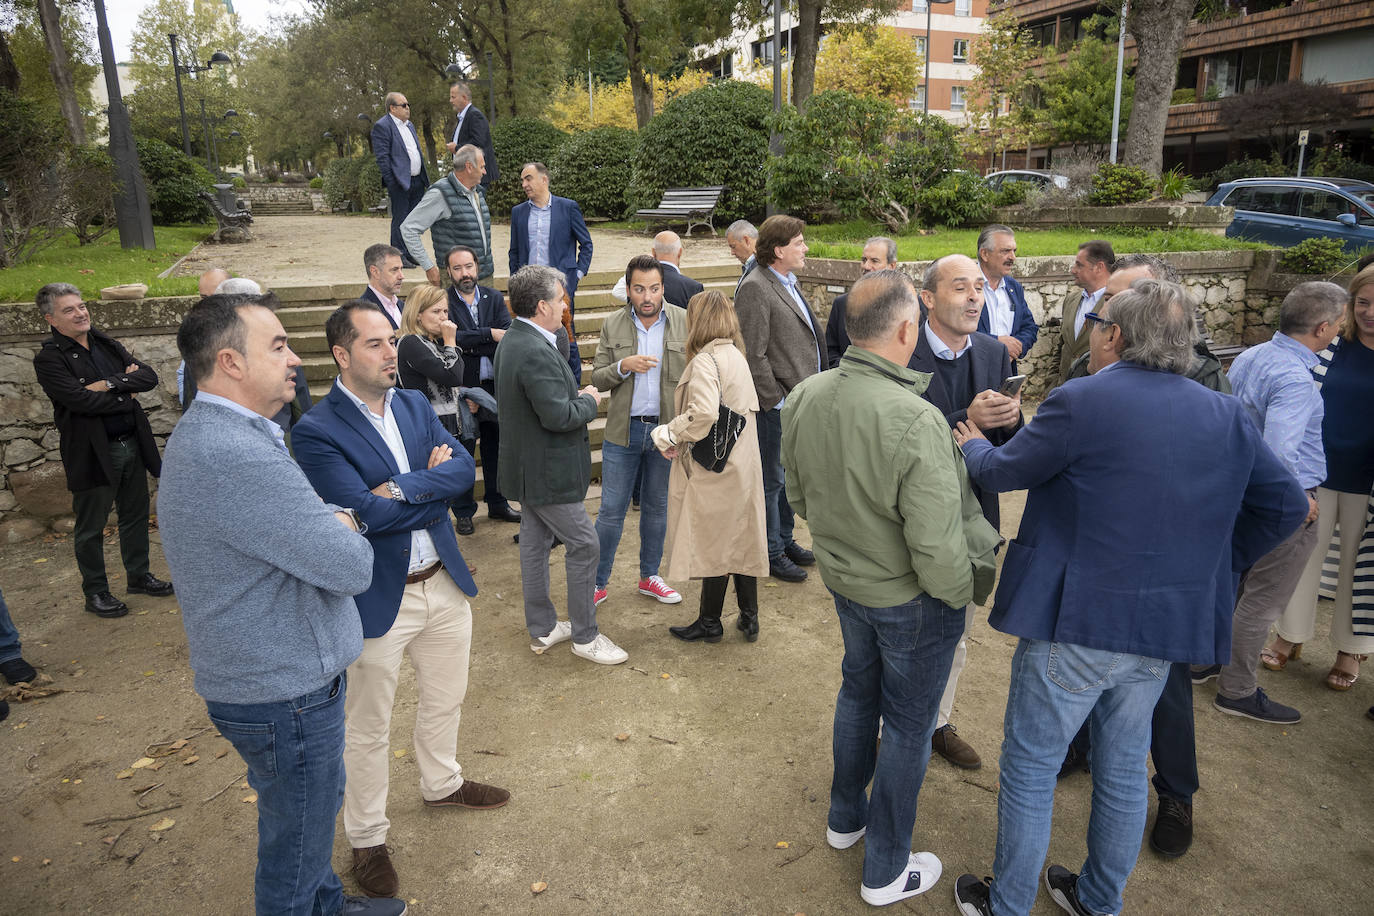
305, 308
282, 207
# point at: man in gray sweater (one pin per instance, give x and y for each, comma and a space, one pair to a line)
271, 572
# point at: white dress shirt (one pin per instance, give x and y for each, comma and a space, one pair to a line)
412, 150
1088, 303
997, 302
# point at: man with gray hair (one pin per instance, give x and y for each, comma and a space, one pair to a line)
903, 547
455, 213
880, 253
1135, 519
471, 127
1006, 315
396, 145
1274, 381
740, 238
106, 443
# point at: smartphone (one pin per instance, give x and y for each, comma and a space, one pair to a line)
1012, 386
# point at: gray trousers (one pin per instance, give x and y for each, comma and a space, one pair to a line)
1264, 593
568, 522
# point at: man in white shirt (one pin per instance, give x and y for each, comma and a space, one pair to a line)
396, 145
385, 274
1005, 313
1091, 268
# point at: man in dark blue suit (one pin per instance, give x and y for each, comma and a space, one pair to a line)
482, 318
879, 253
1005, 313
396, 145
1149, 494
382, 451
470, 126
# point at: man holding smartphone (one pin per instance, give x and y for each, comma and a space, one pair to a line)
970, 379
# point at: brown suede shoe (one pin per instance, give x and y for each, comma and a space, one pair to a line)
374, 873
947, 743
472, 795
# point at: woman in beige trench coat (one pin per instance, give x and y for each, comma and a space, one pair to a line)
715, 520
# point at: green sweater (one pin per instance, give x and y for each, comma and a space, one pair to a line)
873, 469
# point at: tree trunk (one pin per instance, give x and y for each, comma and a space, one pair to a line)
639, 86
9, 73
427, 134
59, 65
804, 50
503, 51
1158, 27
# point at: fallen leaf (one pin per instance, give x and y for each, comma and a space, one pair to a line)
537, 887
108, 840
223, 752
76, 782
141, 614
149, 673
162, 824
623, 736
66, 780
665, 675
190, 760
124, 774
244, 784
249, 798
178, 744
142, 762
47, 861
782, 844
770, 585
156, 766
22, 725
41, 560
20, 859
100, 718
398, 754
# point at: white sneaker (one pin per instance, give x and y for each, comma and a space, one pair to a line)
562, 632
600, 650
921, 872
843, 840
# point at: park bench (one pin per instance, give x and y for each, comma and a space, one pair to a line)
238, 220
694, 206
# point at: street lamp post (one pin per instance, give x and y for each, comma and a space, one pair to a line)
456, 71
925, 87
178, 68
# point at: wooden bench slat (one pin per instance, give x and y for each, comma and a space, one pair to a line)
684, 204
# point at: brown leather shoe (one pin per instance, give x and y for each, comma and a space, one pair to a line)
472, 795
374, 872
947, 743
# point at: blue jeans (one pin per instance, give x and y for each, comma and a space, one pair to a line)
1054, 688
777, 510
620, 465
896, 662
294, 751
9, 636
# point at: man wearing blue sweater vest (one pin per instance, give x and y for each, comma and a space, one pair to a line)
271, 572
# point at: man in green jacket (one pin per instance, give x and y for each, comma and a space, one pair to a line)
545, 463
902, 544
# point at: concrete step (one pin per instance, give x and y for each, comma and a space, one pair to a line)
282, 207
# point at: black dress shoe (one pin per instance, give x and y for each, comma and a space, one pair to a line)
17, 670
463, 525
780, 567
149, 584
1173, 830
504, 514
707, 628
799, 554
103, 604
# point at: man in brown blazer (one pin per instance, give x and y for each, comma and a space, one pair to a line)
784, 344
1091, 268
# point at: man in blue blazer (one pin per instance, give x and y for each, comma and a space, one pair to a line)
381, 451
1149, 494
396, 145
1005, 313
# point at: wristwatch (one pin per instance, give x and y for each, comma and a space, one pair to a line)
395, 491
109, 385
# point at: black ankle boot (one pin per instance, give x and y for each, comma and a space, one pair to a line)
747, 594
707, 628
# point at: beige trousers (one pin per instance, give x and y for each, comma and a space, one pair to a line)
434, 626
1298, 623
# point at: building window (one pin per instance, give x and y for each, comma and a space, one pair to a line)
919, 6
762, 50
963, 7
1246, 70
918, 101
920, 45
956, 98
961, 50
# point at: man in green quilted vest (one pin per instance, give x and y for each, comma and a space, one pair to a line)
454, 210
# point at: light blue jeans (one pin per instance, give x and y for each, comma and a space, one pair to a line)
620, 465
1054, 688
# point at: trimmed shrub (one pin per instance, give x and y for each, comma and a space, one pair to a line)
353, 182
239, 184
958, 199
1183, 97
1012, 193
1120, 184
1245, 168
517, 141
173, 180
716, 135
593, 168
316, 183
370, 191
1315, 256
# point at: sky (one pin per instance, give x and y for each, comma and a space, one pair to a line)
253, 14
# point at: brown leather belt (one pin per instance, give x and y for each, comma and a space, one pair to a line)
426, 573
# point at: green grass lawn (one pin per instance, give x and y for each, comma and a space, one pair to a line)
104, 263
845, 240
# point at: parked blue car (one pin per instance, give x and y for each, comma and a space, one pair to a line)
1284, 211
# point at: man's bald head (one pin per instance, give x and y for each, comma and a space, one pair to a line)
211, 279
877, 306
668, 247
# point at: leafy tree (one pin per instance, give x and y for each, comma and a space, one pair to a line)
1077, 92
31, 58
517, 141
1158, 27
89, 202
60, 66
613, 104
874, 61
31, 143
1276, 113
998, 109
174, 183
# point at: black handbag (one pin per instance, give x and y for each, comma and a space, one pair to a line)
713, 451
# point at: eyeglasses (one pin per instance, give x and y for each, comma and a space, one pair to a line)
1098, 319
400, 104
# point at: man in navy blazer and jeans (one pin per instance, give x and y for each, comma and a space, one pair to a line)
396, 145
1149, 494
382, 451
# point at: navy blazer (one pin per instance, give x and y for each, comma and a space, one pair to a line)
474, 340
370, 296
570, 244
476, 130
1023, 326
990, 364
678, 288
1149, 495
390, 151
344, 458
836, 337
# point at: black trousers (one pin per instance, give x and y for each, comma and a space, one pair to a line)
128, 495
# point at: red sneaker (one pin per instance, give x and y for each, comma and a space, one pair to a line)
598, 596
655, 587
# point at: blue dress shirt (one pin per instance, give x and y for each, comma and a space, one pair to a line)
644, 402
1274, 381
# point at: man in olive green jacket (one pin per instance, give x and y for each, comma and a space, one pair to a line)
902, 544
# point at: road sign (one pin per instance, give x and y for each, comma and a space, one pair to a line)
1302, 138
